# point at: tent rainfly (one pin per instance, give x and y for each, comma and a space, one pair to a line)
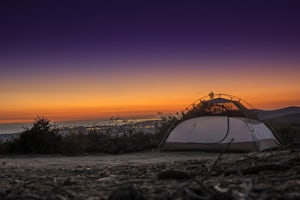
215, 124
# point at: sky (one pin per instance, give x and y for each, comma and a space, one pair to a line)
70, 60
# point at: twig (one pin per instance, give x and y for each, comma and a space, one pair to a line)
249, 188
217, 160
193, 195
59, 188
54, 185
283, 179
257, 169
26, 197
203, 187
200, 182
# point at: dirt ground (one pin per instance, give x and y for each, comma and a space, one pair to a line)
152, 175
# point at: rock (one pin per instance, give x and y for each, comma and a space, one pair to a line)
293, 195
126, 193
68, 182
110, 178
173, 174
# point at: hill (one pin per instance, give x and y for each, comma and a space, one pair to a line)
286, 115
286, 119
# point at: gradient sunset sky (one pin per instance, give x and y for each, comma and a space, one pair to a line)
70, 60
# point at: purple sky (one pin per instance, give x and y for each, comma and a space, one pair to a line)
158, 30
139, 52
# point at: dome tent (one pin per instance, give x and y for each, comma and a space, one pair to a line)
212, 122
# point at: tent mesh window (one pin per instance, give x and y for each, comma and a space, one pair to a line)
219, 107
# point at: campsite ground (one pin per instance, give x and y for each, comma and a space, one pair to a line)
153, 175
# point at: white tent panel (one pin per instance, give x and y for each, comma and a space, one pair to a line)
262, 132
238, 130
199, 130
213, 130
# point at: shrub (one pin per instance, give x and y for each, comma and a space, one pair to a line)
4, 147
42, 137
167, 123
125, 143
288, 133
74, 143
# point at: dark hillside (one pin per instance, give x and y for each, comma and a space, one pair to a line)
264, 115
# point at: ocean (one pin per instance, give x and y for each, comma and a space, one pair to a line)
18, 127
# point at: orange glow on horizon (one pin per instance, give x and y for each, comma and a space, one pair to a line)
90, 111
144, 93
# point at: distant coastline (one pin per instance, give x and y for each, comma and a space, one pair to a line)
12, 128
286, 115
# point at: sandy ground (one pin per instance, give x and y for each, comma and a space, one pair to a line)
152, 175
55, 161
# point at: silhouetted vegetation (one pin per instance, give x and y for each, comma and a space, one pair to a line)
44, 138
288, 133
167, 123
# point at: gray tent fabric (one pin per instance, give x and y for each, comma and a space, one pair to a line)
218, 100
214, 132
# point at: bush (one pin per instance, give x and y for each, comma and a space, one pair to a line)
4, 147
124, 143
288, 133
168, 123
74, 143
42, 137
